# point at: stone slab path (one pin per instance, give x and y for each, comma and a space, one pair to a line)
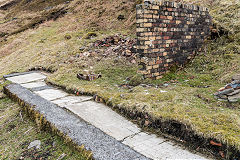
106, 133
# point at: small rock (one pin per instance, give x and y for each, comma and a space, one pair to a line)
236, 77
36, 144
86, 72
86, 54
121, 17
128, 53
133, 61
122, 96
146, 123
234, 93
71, 59
234, 98
82, 48
222, 97
226, 91
235, 82
165, 84
162, 91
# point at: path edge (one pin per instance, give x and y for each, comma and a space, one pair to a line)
167, 128
44, 124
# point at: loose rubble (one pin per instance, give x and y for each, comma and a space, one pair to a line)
118, 45
36, 144
231, 92
88, 75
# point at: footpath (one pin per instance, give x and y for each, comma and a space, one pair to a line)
84, 122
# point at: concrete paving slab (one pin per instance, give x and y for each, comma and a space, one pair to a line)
105, 119
51, 94
41, 88
70, 100
34, 84
158, 148
26, 78
18, 74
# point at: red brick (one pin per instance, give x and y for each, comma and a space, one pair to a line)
159, 62
166, 37
163, 17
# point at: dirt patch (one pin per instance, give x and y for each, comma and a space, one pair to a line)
46, 16
43, 153
19, 15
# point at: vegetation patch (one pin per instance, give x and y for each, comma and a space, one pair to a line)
18, 131
182, 101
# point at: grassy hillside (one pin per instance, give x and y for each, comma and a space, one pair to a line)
185, 96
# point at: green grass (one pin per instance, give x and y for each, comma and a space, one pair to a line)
187, 101
18, 131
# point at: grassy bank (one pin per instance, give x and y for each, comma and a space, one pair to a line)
18, 131
185, 95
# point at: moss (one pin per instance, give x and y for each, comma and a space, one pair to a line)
136, 80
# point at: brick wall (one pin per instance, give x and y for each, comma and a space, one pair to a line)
169, 33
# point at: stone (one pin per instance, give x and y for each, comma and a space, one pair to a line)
34, 84
222, 96
234, 92
26, 78
157, 147
86, 72
70, 100
236, 77
234, 98
235, 82
105, 119
36, 144
120, 17
51, 94
226, 91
